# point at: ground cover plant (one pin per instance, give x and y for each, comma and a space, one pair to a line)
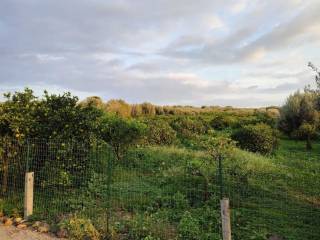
155, 175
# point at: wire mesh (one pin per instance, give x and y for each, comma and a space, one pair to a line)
147, 195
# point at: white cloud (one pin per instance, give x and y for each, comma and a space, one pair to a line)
214, 22
170, 51
238, 6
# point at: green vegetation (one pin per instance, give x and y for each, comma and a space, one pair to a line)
119, 171
260, 138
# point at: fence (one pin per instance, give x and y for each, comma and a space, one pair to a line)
146, 195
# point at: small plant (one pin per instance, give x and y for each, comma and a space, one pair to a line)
79, 228
188, 227
153, 226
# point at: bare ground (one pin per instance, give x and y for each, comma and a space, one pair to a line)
12, 233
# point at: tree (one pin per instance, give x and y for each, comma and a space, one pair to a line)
300, 108
61, 117
316, 70
306, 132
218, 148
17, 114
317, 80
121, 133
16, 123
46, 122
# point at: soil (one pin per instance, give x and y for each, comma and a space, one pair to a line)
13, 233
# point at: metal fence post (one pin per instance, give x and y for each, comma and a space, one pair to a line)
225, 219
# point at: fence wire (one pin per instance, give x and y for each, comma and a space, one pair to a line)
148, 196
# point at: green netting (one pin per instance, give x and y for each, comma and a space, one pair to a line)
148, 195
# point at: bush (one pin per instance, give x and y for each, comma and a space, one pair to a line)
148, 109
259, 138
221, 122
188, 227
154, 226
306, 132
79, 228
188, 128
119, 107
160, 133
120, 133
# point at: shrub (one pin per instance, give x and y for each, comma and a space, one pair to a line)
136, 110
154, 226
306, 132
259, 138
148, 109
93, 101
79, 228
188, 227
119, 107
221, 122
159, 110
188, 128
121, 133
160, 133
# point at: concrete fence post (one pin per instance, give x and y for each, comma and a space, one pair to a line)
28, 194
225, 219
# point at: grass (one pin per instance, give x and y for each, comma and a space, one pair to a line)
154, 188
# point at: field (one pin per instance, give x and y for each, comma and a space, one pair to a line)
144, 172
158, 193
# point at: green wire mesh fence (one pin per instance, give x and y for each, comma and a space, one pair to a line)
147, 195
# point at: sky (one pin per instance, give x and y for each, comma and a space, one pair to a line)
243, 53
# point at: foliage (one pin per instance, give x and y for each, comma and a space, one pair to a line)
259, 138
51, 119
188, 228
187, 127
136, 110
79, 228
93, 101
17, 114
221, 122
148, 109
299, 109
159, 191
218, 146
60, 117
121, 133
160, 133
159, 110
118, 107
150, 226
307, 132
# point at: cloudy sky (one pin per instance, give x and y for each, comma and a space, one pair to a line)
199, 52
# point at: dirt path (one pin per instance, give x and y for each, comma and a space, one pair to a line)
12, 233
